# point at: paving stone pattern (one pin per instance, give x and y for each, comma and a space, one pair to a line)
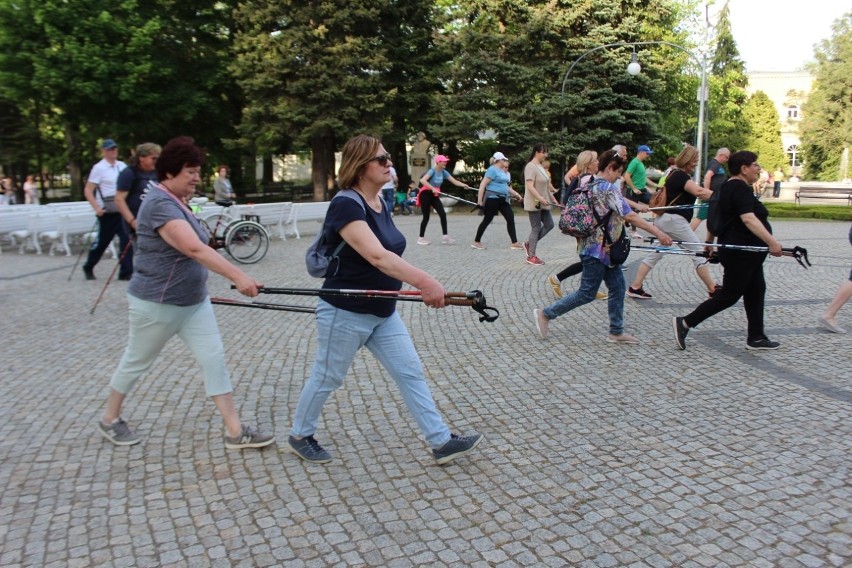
596, 454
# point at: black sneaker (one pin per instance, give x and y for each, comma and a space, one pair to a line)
638, 293
309, 450
89, 273
456, 448
248, 438
764, 344
125, 276
680, 331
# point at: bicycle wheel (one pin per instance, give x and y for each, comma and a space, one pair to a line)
246, 241
218, 224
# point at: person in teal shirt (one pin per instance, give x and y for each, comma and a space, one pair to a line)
494, 195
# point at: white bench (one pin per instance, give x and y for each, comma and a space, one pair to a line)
270, 215
305, 212
12, 221
80, 224
44, 225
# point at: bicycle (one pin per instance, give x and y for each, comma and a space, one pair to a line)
244, 239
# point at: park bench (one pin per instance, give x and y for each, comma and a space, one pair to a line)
818, 192
304, 212
270, 215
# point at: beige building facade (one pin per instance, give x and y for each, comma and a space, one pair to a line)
788, 90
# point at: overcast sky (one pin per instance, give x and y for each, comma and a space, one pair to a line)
779, 35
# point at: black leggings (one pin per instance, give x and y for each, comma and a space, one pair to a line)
743, 278
572, 270
427, 201
493, 205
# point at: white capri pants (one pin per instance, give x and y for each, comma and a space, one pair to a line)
677, 227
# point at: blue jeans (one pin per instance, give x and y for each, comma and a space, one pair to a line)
389, 195
595, 272
152, 324
340, 334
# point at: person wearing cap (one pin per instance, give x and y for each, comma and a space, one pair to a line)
133, 183
636, 178
100, 191
538, 197
429, 197
494, 194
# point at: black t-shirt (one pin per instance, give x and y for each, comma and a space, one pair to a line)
737, 198
354, 272
135, 182
676, 193
719, 174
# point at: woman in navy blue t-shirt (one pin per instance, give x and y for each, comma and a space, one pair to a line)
372, 260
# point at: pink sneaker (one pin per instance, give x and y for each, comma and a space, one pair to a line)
422, 241
447, 240
535, 260
526, 246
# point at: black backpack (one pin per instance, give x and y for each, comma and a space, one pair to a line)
716, 221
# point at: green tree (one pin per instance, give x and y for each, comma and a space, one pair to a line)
126, 70
728, 83
827, 114
763, 132
511, 58
316, 73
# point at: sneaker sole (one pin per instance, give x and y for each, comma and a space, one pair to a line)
119, 442
751, 348
303, 458
625, 342
451, 457
638, 297
677, 334
232, 446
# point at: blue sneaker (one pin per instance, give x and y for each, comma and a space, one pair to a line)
456, 447
309, 450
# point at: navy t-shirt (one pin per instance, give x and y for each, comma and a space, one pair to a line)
353, 271
135, 182
737, 198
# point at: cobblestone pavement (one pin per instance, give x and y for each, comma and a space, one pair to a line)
595, 454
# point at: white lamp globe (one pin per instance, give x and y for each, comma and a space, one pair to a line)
634, 68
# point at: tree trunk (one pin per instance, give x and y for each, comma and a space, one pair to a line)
396, 148
322, 163
75, 160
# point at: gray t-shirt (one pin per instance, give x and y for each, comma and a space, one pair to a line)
161, 273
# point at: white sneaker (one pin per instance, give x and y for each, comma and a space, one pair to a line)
422, 241
447, 240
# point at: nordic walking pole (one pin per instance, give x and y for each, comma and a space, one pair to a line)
111, 274
264, 306
676, 207
474, 298
797, 252
79, 256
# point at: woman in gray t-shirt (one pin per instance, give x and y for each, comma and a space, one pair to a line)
167, 296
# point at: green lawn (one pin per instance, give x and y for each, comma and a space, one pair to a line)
793, 211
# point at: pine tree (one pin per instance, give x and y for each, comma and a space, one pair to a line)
316, 73
764, 132
728, 82
827, 114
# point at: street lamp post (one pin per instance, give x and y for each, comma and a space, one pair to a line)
634, 68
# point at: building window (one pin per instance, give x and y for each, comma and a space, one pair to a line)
793, 155
793, 111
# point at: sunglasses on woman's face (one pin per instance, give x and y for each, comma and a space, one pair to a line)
382, 160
